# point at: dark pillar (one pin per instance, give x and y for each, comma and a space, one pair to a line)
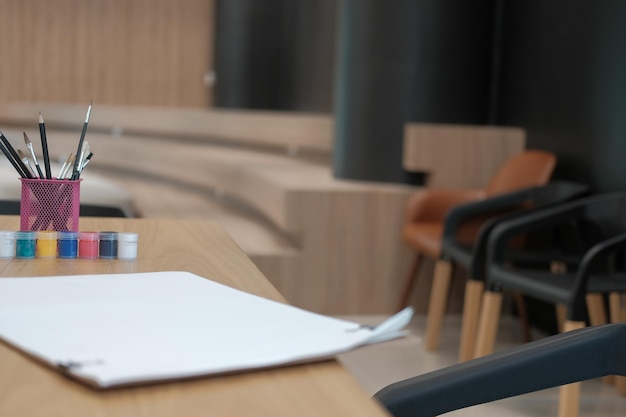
275, 54
400, 61
248, 59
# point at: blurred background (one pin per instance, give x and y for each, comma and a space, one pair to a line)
555, 68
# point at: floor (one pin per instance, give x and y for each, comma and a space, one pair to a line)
379, 365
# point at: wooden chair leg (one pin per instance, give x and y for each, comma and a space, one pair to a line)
569, 395
595, 307
488, 324
471, 311
520, 303
410, 282
437, 303
561, 313
617, 306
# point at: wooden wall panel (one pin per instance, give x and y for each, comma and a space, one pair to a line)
459, 156
137, 52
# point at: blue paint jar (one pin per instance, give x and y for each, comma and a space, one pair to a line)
25, 244
68, 245
108, 245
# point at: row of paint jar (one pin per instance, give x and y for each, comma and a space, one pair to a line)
68, 245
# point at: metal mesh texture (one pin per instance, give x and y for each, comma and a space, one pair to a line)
50, 204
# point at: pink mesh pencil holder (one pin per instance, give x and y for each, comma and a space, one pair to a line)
50, 204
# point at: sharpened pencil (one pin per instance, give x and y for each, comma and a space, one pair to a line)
44, 147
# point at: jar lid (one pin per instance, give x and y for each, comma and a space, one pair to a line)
25, 234
47, 234
88, 235
108, 235
7, 234
127, 237
68, 235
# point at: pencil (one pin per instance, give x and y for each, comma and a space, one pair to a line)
15, 157
76, 170
29, 145
11, 160
44, 147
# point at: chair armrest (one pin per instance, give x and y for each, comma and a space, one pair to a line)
588, 261
565, 358
496, 204
529, 221
506, 207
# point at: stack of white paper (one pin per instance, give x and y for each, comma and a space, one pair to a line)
110, 330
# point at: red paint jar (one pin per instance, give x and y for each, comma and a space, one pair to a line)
88, 245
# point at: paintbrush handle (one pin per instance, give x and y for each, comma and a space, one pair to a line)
32, 153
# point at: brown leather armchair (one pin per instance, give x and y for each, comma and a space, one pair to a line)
425, 218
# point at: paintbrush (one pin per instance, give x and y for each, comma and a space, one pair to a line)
76, 170
66, 165
29, 145
24, 159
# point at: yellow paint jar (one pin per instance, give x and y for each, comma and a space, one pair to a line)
47, 244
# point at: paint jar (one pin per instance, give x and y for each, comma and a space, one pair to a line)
88, 245
46, 244
25, 244
68, 245
108, 245
127, 246
7, 244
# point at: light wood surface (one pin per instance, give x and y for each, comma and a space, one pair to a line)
437, 303
292, 132
337, 246
459, 156
28, 388
491, 307
145, 52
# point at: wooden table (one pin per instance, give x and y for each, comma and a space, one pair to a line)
28, 388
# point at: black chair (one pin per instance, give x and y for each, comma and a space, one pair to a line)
600, 230
94, 210
472, 257
566, 358
12, 207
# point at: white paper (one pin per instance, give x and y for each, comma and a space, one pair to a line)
130, 328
